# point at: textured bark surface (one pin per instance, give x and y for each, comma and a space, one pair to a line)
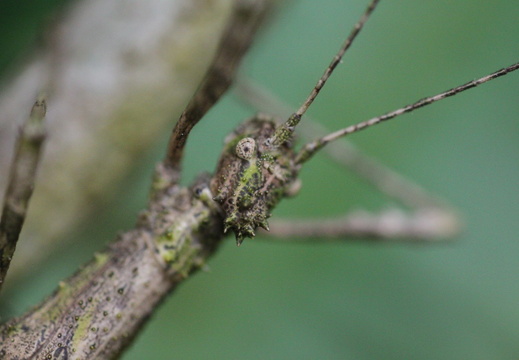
116, 73
97, 312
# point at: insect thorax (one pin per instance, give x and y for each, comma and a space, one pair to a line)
252, 176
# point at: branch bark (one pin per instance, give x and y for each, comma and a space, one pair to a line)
96, 313
237, 38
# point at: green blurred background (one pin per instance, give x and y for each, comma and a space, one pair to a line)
352, 300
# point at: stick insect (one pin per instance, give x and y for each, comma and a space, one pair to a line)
274, 173
387, 271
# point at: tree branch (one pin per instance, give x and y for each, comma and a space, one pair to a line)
245, 20
21, 184
97, 312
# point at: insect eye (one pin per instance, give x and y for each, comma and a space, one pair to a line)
246, 148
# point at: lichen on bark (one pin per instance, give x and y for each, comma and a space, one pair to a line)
96, 313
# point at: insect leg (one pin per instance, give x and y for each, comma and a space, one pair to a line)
390, 225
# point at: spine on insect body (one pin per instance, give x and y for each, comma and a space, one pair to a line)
252, 176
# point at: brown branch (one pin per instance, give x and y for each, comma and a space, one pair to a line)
246, 19
96, 313
21, 184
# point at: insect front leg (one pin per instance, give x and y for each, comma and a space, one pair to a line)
390, 225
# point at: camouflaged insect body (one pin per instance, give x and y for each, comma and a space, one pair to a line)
252, 176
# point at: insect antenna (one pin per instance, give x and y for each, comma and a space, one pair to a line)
284, 131
311, 148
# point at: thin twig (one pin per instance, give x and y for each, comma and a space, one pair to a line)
288, 127
245, 20
21, 184
311, 148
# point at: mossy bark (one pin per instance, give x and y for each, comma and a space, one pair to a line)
96, 313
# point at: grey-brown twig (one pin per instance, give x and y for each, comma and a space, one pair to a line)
21, 184
311, 148
96, 313
246, 18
